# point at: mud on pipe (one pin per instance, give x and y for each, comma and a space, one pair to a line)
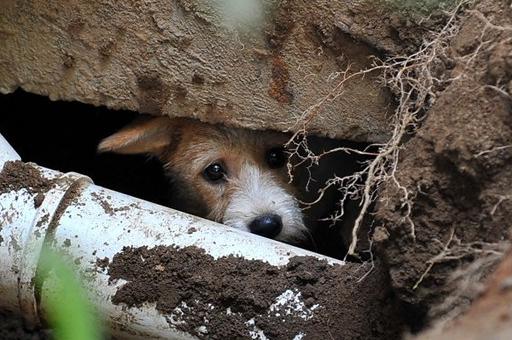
159, 273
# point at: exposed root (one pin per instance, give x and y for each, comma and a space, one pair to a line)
454, 249
501, 199
467, 285
498, 148
371, 260
500, 89
415, 82
436, 258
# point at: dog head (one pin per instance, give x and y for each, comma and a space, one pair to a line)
233, 176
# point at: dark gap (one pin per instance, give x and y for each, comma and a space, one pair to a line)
334, 239
64, 136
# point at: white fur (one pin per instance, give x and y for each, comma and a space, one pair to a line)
257, 193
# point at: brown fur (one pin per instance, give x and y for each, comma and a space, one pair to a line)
186, 146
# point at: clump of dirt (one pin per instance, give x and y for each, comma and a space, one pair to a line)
232, 297
17, 175
38, 200
457, 172
102, 263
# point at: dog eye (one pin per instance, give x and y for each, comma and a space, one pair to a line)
275, 157
214, 172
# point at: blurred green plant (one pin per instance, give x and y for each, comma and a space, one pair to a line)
70, 314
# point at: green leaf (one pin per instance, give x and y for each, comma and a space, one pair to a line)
70, 313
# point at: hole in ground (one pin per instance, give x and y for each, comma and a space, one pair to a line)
64, 136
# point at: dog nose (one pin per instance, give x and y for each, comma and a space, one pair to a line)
269, 225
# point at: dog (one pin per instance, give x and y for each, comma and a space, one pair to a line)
234, 176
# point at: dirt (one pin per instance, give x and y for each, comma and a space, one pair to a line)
105, 205
102, 263
38, 200
17, 175
231, 297
69, 198
458, 171
104, 202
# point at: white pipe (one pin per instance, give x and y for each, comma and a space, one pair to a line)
89, 223
7, 153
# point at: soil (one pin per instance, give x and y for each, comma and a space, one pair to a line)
231, 297
102, 263
17, 175
458, 169
38, 200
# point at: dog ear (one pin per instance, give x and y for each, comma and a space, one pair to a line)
151, 136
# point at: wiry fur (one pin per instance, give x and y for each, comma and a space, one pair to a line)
255, 193
186, 147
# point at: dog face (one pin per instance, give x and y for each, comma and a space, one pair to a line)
233, 176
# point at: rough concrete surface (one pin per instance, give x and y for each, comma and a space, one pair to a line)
186, 58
